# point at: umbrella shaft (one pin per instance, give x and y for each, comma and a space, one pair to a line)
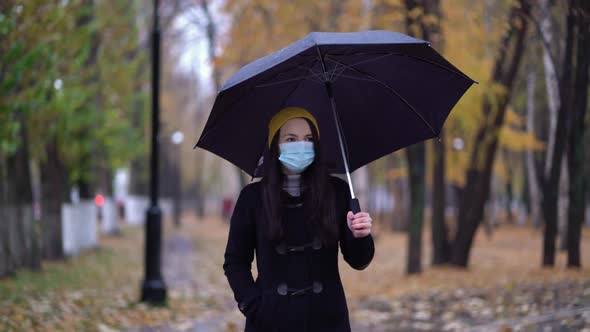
328, 86
340, 140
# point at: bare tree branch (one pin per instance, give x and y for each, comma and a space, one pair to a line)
546, 44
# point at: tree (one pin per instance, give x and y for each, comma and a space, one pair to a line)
51, 125
53, 113
422, 21
24, 54
477, 187
550, 182
531, 170
576, 147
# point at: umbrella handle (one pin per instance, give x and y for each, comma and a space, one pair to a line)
355, 206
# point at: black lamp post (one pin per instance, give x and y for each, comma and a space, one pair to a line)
153, 288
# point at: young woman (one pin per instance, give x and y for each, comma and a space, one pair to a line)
295, 219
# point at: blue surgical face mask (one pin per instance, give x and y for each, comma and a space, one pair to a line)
296, 156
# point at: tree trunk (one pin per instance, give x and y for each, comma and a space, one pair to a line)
426, 25
138, 168
6, 267
440, 236
25, 242
551, 80
85, 190
577, 150
85, 185
54, 188
551, 181
399, 188
11, 238
211, 29
416, 156
563, 202
477, 186
509, 195
431, 30
533, 188
400, 215
492, 207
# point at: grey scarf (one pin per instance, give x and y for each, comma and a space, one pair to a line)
292, 184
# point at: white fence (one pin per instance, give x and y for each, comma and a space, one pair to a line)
80, 220
136, 209
110, 218
79, 227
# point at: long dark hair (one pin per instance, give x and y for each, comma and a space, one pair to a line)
319, 196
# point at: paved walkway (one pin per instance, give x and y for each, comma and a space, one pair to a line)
185, 275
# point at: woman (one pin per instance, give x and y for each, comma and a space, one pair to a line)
295, 218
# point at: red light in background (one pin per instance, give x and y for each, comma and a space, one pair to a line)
99, 200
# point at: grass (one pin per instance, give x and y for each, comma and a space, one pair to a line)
76, 293
91, 267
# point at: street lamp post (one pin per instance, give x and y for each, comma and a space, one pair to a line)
153, 288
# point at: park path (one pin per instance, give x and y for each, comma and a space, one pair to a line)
186, 272
192, 268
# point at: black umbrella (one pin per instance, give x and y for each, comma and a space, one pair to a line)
392, 91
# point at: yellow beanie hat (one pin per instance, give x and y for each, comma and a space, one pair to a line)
286, 114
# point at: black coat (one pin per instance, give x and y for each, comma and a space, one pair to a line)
298, 287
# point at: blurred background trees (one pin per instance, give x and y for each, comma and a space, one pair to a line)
486, 174
71, 87
74, 78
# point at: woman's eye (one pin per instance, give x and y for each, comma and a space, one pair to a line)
289, 139
309, 139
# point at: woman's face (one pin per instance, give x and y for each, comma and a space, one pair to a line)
294, 130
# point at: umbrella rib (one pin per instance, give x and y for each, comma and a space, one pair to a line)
442, 66
333, 72
304, 65
389, 88
287, 81
404, 54
373, 59
338, 73
310, 69
357, 78
213, 125
381, 56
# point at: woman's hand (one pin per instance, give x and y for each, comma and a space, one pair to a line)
359, 224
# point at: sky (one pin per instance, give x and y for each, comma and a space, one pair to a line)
193, 45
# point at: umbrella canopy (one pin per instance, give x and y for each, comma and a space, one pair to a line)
390, 91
